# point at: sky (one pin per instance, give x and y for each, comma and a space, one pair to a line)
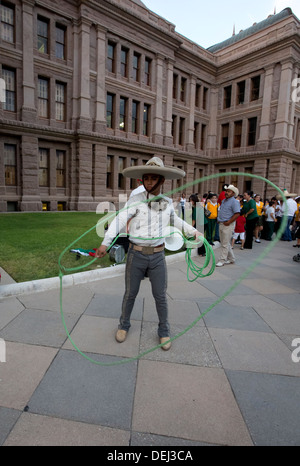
208, 22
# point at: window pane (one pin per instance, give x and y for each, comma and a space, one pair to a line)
109, 110
7, 23
43, 167
60, 101
60, 42
60, 168
43, 86
9, 77
42, 39
10, 164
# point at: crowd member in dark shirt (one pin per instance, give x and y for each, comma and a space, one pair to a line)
251, 216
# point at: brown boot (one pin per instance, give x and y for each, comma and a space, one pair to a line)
121, 336
167, 344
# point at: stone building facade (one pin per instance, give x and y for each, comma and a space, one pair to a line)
92, 87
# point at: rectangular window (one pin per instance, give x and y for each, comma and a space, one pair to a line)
252, 125
183, 89
146, 122
60, 43
147, 78
203, 137
238, 126
133, 182
205, 94
121, 180
123, 116
175, 85
255, 88
221, 180
225, 136
43, 167
174, 125
42, 35
136, 67
196, 134
135, 117
9, 76
60, 168
43, 97
124, 62
181, 131
109, 165
234, 178
240, 96
60, 101
10, 164
110, 63
110, 110
7, 23
227, 96
197, 96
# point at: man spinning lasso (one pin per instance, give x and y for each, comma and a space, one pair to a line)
148, 213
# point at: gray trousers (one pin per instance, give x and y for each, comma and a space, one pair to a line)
154, 266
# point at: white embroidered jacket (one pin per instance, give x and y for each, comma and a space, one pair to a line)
147, 221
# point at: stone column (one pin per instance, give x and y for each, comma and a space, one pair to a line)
158, 115
191, 119
84, 122
29, 112
84, 165
292, 116
100, 123
169, 105
100, 167
280, 140
264, 136
212, 127
31, 200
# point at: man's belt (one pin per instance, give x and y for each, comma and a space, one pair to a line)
147, 249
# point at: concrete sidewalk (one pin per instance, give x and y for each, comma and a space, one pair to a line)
230, 380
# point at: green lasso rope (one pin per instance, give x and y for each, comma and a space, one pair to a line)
197, 271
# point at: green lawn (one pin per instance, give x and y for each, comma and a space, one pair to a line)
32, 242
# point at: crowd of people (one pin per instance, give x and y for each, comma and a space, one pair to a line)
232, 218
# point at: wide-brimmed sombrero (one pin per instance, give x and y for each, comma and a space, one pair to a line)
154, 166
286, 193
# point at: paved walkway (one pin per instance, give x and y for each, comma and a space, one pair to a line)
230, 380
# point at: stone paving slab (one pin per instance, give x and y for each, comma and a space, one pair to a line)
253, 351
194, 347
101, 340
9, 309
38, 328
76, 389
23, 370
270, 405
225, 315
36, 430
205, 408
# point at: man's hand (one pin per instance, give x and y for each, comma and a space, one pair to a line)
101, 252
198, 235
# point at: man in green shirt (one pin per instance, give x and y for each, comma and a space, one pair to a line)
251, 215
